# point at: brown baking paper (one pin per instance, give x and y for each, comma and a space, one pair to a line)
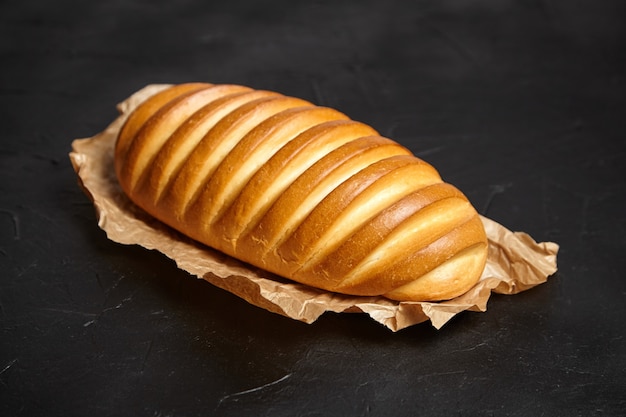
515, 262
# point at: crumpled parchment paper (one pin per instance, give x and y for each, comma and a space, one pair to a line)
515, 261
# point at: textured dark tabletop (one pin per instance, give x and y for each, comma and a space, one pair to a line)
521, 104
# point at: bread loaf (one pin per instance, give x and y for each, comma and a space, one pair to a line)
301, 191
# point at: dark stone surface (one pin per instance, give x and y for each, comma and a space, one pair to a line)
519, 103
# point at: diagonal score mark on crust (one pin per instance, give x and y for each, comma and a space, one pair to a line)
208, 151
396, 181
157, 130
210, 191
214, 146
173, 154
372, 233
418, 231
253, 152
281, 170
292, 207
137, 119
436, 283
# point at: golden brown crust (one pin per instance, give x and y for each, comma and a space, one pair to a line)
137, 119
299, 190
374, 233
282, 169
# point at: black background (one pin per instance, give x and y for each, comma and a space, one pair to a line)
519, 103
